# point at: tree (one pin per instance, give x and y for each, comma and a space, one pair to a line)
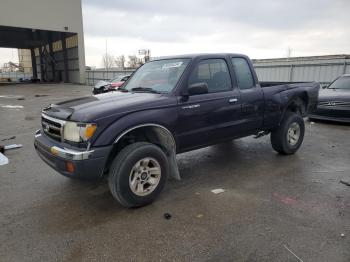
107, 61
133, 61
120, 61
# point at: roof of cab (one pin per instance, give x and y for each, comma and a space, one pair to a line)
201, 55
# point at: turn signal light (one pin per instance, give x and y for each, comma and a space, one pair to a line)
89, 131
70, 167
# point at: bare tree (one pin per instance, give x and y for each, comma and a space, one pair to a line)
107, 61
289, 52
133, 61
120, 61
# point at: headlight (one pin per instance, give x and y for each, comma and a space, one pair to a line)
78, 132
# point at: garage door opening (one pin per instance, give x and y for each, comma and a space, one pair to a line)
43, 55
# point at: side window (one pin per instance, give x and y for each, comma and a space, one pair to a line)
214, 72
243, 74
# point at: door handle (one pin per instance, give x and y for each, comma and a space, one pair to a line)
233, 100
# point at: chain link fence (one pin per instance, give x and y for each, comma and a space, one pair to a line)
13, 76
93, 76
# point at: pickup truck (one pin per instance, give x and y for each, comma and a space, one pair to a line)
169, 106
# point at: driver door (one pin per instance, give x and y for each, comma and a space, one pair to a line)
208, 117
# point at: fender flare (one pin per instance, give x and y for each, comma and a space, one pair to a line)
171, 153
291, 100
146, 125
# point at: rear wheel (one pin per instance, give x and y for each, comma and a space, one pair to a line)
288, 137
138, 174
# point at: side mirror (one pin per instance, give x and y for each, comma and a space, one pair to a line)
198, 89
324, 86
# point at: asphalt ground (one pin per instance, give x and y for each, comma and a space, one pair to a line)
274, 208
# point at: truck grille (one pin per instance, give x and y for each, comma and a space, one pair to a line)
334, 104
52, 127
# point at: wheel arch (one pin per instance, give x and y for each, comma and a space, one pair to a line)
155, 126
297, 104
148, 132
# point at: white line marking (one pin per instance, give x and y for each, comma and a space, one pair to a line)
293, 253
12, 106
11, 97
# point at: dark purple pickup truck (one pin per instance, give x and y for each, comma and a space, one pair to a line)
169, 106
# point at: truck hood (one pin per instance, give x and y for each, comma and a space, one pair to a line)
92, 108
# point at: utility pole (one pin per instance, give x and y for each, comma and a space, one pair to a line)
106, 59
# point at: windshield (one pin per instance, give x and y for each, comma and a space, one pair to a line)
159, 76
341, 83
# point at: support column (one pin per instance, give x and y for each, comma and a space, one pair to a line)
42, 68
34, 69
65, 58
291, 73
52, 59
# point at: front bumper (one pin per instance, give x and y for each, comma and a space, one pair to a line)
88, 164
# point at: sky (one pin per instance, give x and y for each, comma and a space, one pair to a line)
258, 28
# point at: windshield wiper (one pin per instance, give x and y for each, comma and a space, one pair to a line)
145, 89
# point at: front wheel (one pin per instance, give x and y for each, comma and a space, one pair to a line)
288, 137
138, 174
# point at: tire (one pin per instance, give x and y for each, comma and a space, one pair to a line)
281, 141
126, 176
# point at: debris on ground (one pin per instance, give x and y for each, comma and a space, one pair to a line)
199, 216
217, 191
29, 118
167, 216
312, 123
290, 251
21, 98
10, 138
9, 147
40, 95
3, 160
342, 235
13, 146
343, 181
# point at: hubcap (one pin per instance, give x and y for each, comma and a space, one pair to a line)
293, 134
145, 176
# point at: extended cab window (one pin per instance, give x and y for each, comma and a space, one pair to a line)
243, 73
214, 73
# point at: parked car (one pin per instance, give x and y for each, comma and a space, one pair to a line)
28, 80
119, 81
25, 79
108, 86
334, 101
169, 106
